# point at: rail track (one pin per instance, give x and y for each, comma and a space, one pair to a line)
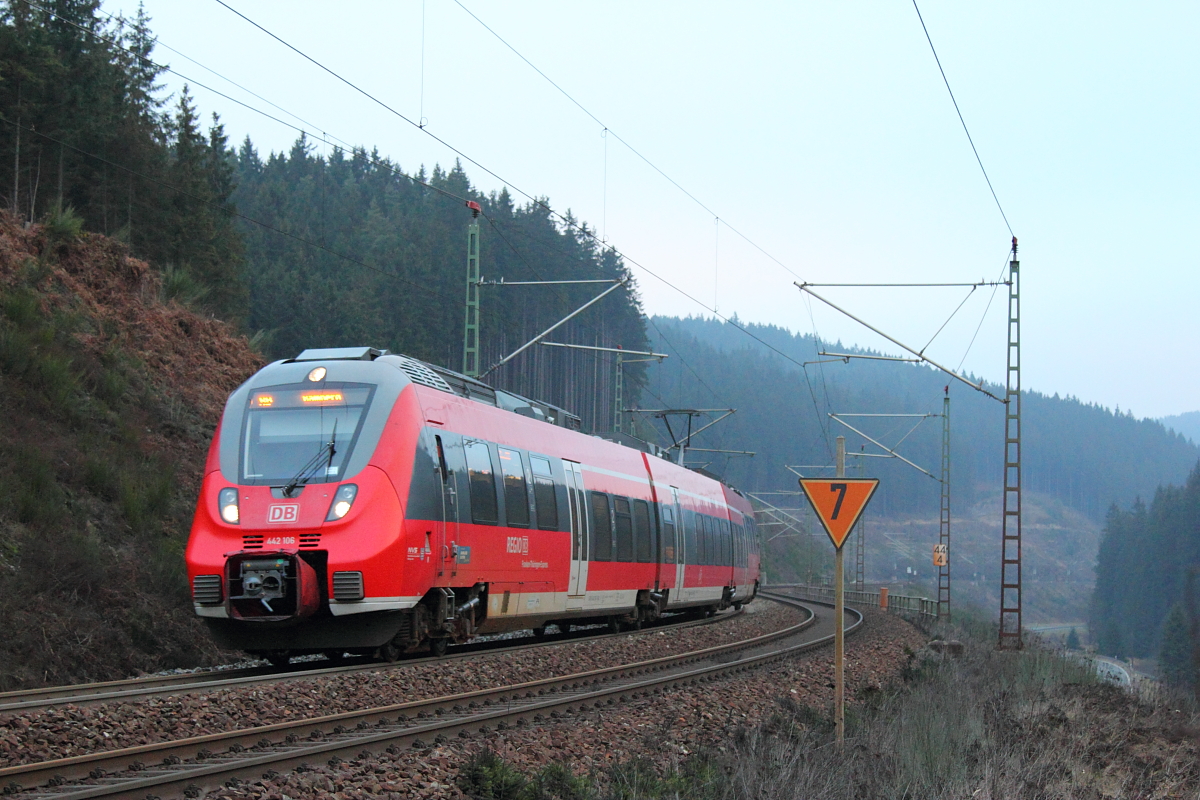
132, 689
191, 766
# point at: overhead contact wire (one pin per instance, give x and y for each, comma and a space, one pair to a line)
535, 201
628, 146
957, 110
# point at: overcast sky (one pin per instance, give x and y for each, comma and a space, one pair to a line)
822, 132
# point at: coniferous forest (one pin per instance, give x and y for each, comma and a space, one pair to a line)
302, 249
1081, 454
315, 248
1149, 555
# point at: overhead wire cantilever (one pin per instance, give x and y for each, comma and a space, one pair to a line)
806, 287
549, 330
894, 454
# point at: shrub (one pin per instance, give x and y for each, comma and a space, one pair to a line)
63, 225
486, 776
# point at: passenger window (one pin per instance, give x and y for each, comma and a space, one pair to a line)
484, 508
547, 503
643, 543
691, 550
624, 529
710, 541
726, 559
516, 498
668, 535
601, 528
545, 497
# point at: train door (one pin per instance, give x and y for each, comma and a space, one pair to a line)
577, 585
447, 529
681, 554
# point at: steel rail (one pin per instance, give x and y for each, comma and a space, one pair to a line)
131, 689
191, 766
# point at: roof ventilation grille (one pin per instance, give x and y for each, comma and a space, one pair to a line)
422, 374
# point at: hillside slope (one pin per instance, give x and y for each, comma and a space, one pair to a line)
1084, 455
1187, 423
109, 394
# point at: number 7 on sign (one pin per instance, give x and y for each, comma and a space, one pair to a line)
839, 503
840, 488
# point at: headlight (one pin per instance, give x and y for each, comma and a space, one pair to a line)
342, 502
227, 502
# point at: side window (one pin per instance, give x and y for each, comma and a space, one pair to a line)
516, 498
701, 539
643, 542
668, 535
484, 508
544, 495
691, 547
726, 559
710, 540
602, 548
624, 529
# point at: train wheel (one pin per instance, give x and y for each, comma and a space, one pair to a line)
390, 652
737, 606
278, 658
636, 625
564, 628
539, 631
614, 624
438, 647
336, 656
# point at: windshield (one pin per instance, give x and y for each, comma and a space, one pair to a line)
287, 426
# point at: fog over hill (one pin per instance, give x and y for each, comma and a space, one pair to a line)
1187, 423
1083, 454
1078, 458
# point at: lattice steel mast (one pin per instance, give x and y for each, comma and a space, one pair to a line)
471, 328
1010, 554
944, 524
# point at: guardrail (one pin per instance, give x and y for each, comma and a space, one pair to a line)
920, 607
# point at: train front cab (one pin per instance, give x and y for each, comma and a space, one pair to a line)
299, 522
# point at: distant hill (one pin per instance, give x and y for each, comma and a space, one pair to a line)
1079, 459
1081, 454
1187, 423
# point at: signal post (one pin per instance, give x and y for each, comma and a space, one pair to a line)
839, 503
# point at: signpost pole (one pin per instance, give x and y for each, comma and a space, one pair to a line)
839, 610
839, 503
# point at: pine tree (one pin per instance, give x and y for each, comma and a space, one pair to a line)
1175, 656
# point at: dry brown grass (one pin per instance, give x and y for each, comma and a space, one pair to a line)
988, 726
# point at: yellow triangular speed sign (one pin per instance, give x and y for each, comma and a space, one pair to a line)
839, 502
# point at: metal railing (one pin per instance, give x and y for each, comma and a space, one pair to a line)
920, 607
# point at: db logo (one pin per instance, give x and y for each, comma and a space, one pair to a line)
283, 512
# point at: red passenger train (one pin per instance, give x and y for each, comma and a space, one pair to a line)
365, 502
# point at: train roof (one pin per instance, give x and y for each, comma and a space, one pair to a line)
446, 380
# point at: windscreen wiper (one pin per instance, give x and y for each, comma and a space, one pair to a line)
305, 473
